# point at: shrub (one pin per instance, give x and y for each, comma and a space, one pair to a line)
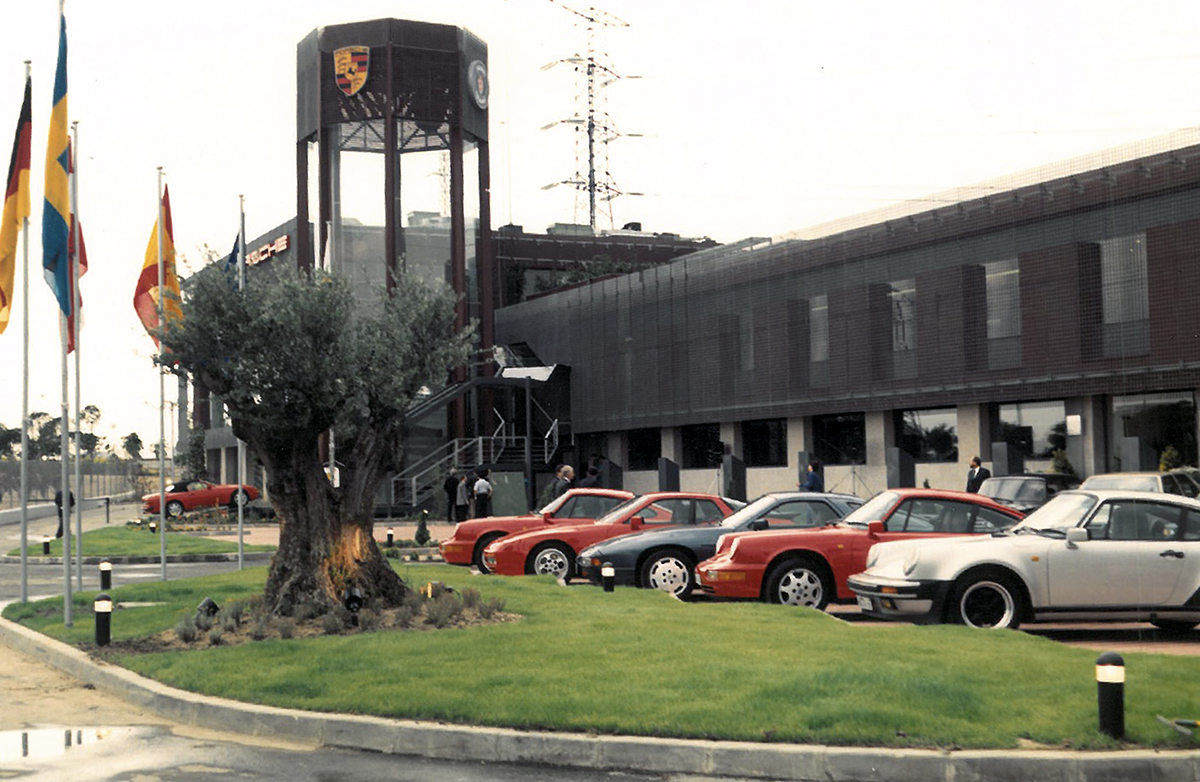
260, 629
491, 608
231, 617
443, 610
287, 629
471, 597
186, 630
406, 614
214, 637
331, 624
421, 536
203, 621
369, 620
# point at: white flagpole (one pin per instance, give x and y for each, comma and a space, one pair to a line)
162, 396
25, 404
76, 302
241, 446
65, 481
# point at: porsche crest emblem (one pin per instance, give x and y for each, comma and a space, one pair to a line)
350, 65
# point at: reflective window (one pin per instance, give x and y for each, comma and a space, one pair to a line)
702, 447
645, 448
764, 443
1037, 428
1124, 296
1160, 421
928, 435
840, 439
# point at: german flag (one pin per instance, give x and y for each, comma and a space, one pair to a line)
16, 207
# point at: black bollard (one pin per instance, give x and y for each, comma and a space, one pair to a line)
105, 574
103, 607
1110, 693
608, 576
45, 545
391, 540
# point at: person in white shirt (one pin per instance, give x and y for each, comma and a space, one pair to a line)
483, 495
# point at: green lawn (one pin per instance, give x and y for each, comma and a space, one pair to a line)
130, 542
640, 662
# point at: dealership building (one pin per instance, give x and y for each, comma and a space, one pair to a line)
1058, 309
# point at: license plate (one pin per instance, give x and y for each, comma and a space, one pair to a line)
864, 603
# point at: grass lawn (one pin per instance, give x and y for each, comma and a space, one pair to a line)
639, 662
130, 542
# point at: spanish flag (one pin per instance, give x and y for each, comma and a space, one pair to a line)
147, 295
16, 207
81, 264
56, 212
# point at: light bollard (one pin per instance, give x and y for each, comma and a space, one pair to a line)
103, 607
608, 576
391, 538
105, 574
45, 545
1110, 693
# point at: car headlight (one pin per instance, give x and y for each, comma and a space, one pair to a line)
910, 561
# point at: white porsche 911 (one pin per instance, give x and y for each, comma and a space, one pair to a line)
1084, 555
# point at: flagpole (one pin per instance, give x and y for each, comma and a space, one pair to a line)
241, 446
162, 396
65, 482
25, 400
76, 301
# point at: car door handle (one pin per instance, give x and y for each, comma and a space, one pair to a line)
1170, 553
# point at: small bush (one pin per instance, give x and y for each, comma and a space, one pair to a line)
186, 630
214, 637
471, 597
287, 629
491, 608
331, 624
306, 611
203, 621
369, 620
406, 615
443, 610
421, 536
260, 629
392, 553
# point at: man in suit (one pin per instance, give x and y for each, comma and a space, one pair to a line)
977, 475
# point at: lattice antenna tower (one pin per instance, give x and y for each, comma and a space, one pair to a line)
593, 126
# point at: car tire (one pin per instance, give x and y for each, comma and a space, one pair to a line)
987, 600
477, 554
174, 508
239, 497
800, 581
671, 571
552, 559
1173, 626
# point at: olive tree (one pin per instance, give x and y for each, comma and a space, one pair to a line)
294, 356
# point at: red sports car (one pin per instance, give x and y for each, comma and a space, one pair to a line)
809, 567
189, 495
552, 550
470, 538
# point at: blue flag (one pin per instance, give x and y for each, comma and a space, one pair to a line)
56, 212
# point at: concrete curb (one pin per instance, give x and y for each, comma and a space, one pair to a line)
248, 556
745, 760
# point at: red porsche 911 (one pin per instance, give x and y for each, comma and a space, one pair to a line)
189, 495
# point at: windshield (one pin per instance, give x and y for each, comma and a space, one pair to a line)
1132, 482
1062, 512
751, 511
616, 514
874, 509
555, 503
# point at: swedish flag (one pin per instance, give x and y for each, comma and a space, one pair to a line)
56, 213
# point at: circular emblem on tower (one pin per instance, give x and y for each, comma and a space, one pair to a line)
477, 83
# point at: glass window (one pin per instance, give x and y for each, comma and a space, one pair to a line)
840, 439
1191, 528
928, 435
1161, 421
645, 448
1003, 299
801, 513
989, 520
702, 447
764, 443
818, 328
904, 315
1125, 296
1037, 428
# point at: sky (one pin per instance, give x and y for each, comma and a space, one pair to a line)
758, 118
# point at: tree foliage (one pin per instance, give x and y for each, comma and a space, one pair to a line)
132, 445
293, 357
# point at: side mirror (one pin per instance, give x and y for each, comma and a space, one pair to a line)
1077, 535
546, 518
759, 524
636, 522
874, 527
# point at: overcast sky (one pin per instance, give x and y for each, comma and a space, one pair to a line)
756, 118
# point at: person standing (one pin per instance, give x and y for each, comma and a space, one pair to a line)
450, 487
977, 475
483, 495
63, 514
566, 475
813, 480
462, 498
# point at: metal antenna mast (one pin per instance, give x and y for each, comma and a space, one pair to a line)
596, 124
